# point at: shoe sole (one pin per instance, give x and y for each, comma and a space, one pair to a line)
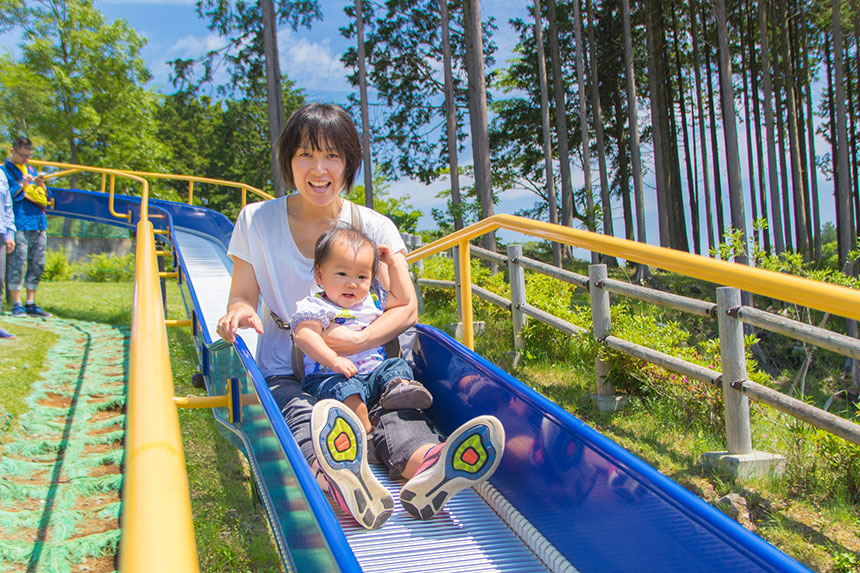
470, 456
411, 397
340, 445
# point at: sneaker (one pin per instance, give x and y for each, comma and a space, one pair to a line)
18, 309
403, 394
6, 335
34, 309
469, 456
340, 445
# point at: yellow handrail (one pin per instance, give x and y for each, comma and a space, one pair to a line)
157, 531
836, 299
195, 179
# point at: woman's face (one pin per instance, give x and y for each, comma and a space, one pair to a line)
318, 174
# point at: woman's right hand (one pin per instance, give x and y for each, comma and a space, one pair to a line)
238, 316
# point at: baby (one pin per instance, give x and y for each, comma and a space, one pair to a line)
345, 264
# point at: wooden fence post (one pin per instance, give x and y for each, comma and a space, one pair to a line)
740, 460
601, 320
734, 367
458, 294
517, 279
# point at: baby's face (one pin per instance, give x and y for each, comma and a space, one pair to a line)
346, 274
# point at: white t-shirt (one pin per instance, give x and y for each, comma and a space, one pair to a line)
262, 239
319, 308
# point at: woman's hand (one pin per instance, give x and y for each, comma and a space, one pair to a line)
242, 305
344, 340
238, 316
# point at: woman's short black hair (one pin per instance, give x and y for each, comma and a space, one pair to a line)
318, 124
356, 239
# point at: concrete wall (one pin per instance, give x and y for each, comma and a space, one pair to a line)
79, 248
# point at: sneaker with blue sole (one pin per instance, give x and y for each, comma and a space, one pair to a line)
340, 445
468, 457
33, 309
18, 310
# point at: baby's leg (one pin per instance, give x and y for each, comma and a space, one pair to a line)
357, 405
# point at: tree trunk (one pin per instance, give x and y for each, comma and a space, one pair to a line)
745, 69
451, 119
623, 165
547, 133
801, 129
776, 216
800, 224
583, 120
478, 114
633, 127
715, 148
702, 140
691, 187
813, 171
567, 206
605, 197
843, 194
274, 97
762, 188
365, 116
845, 230
834, 153
852, 140
730, 131
780, 130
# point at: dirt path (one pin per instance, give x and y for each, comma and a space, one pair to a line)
60, 476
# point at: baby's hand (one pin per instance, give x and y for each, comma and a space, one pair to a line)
385, 254
343, 366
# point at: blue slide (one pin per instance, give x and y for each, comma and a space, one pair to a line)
564, 498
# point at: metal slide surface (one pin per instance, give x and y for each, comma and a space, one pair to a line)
596, 505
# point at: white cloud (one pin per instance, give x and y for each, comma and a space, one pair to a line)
312, 65
194, 46
150, 2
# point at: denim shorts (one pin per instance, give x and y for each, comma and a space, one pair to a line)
30, 252
397, 436
369, 386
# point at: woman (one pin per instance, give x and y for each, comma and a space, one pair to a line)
272, 251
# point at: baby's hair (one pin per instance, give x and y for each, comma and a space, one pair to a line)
318, 124
356, 239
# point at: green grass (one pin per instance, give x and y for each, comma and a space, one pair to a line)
21, 361
229, 525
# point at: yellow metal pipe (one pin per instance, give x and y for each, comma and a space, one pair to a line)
161, 232
191, 192
168, 274
466, 294
177, 322
828, 297
157, 533
163, 253
244, 196
113, 212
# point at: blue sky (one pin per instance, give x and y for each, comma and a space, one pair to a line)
311, 58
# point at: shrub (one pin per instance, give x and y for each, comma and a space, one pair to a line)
57, 266
103, 268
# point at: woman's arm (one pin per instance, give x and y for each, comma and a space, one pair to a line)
308, 335
399, 315
242, 304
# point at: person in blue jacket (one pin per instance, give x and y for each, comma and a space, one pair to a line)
29, 199
7, 238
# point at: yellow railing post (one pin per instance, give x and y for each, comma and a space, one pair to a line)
191, 192
466, 293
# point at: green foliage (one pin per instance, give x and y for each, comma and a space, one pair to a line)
78, 89
843, 458
395, 208
100, 268
57, 266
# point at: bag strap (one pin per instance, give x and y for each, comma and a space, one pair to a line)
298, 357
